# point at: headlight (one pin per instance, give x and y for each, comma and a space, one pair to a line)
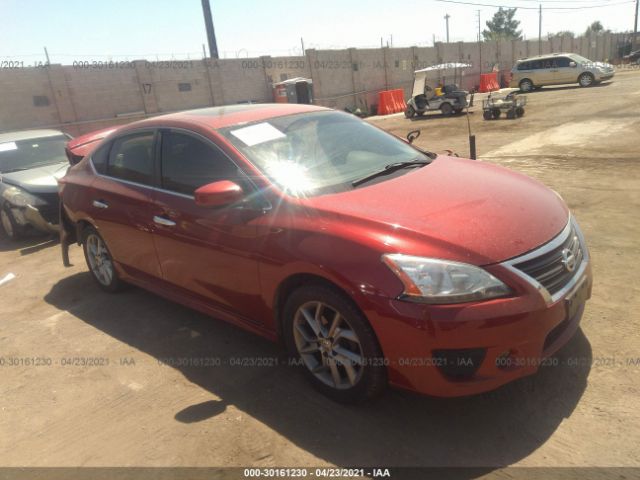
20, 198
431, 280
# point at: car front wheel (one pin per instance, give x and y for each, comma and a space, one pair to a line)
99, 261
586, 80
334, 343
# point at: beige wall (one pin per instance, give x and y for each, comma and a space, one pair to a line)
85, 99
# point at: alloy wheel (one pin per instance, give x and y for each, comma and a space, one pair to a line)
99, 259
526, 86
586, 80
328, 345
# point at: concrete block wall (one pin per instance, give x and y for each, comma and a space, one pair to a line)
81, 98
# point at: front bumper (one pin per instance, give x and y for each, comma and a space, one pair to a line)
34, 217
601, 77
470, 348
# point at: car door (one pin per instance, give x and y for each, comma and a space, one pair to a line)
121, 200
544, 74
564, 73
208, 252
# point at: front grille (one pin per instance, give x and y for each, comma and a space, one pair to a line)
553, 269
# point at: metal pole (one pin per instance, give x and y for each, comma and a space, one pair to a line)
211, 34
446, 18
540, 31
46, 54
635, 25
302, 43
479, 44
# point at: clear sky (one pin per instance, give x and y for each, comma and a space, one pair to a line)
127, 30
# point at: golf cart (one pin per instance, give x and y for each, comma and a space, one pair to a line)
435, 88
504, 100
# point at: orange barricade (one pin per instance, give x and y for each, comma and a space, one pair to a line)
391, 101
489, 82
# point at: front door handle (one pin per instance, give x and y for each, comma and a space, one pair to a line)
164, 221
100, 204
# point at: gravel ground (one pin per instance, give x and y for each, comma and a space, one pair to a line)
106, 399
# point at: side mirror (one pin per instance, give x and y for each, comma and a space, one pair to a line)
218, 194
411, 136
573, 64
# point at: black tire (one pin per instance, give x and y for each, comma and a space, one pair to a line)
10, 227
526, 85
372, 373
409, 111
586, 80
110, 283
511, 114
420, 114
487, 115
519, 112
446, 109
495, 113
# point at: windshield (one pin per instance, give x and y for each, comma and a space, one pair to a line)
35, 152
321, 152
580, 59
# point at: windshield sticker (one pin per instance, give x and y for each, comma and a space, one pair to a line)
5, 147
255, 134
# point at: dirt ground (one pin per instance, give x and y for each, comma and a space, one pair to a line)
135, 411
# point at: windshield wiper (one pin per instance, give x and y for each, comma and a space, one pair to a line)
388, 169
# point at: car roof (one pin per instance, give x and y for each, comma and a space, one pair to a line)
225, 116
548, 55
28, 135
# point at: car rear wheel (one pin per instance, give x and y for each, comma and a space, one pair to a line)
11, 229
335, 344
99, 261
526, 85
446, 109
409, 112
586, 80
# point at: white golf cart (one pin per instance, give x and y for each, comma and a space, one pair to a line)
436, 88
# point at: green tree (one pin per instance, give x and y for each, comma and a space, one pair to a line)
563, 33
503, 26
596, 27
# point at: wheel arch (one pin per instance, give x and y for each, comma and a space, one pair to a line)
294, 281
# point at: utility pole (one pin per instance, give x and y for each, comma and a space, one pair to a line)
446, 19
540, 30
211, 34
46, 54
635, 25
302, 43
479, 44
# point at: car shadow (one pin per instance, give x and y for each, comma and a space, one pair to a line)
568, 87
31, 243
399, 429
433, 115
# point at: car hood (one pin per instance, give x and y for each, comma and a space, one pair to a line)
37, 180
457, 209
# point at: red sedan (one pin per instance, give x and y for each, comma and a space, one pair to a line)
374, 262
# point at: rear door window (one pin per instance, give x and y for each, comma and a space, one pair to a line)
131, 158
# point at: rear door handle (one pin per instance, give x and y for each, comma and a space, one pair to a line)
164, 221
100, 204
